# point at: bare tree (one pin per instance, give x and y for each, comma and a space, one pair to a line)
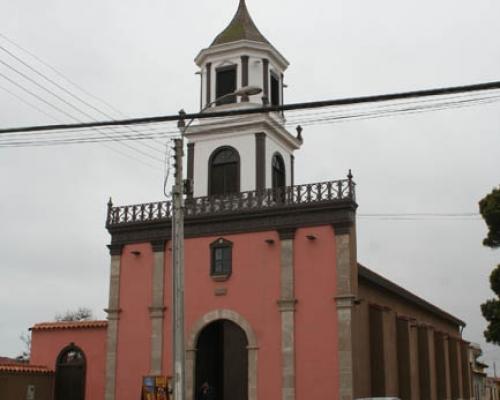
26, 354
81, 314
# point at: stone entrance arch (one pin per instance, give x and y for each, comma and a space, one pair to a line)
191, 349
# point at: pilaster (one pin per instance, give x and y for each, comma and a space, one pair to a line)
414, 363
404, 358
157, 309
466, 376
390, 353
208, 84
265, 78
455, 358
442, 369
113, 312
286, 305
260, 161
346, 267
427, 369
244, 74
190, 161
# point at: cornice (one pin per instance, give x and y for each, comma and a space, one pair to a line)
242, 126
338, 213
240, 47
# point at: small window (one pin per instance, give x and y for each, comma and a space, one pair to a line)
226, 84
275, 90
222, 259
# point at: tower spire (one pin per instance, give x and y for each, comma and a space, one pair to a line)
241, 27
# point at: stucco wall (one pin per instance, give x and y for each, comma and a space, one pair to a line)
134, 327
15, 386
244, 143
46, 346
252, 292
316, 319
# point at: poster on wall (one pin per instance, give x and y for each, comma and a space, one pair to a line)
155, 388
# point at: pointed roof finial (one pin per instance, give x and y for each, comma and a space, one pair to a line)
241, 27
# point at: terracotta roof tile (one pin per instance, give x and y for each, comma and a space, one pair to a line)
69, 325
11, 361
24, 369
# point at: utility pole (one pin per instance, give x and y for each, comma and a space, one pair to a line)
178, 269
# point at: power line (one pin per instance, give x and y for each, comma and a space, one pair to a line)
51, 81
60, 74
72, 106
290, 107
29, 104
66, 113
78, 87
144, 135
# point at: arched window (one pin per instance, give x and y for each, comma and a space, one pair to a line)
70, 374
224, 172
279, 176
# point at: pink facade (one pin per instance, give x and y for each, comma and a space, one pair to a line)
134, 330
252, 291
47, 344
316, 336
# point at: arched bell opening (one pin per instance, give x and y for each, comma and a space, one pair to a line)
224, 172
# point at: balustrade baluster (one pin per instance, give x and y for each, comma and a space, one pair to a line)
339, 189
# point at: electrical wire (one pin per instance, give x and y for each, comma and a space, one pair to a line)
334, 118
76, 97
71, 116
61, 99
29, 104
61, 75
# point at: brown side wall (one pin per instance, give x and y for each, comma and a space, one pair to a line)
15, 385
402, 348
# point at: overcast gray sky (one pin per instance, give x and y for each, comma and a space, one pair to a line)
138, 56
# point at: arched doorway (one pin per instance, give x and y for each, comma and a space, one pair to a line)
70, 374
222, 361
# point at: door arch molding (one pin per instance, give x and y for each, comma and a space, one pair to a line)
252, 348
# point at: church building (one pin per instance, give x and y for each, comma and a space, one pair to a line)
277, 305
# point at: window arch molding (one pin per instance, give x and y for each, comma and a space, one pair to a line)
71, 371
224, 167
278, 171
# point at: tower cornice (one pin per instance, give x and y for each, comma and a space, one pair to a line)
242, 46
242, 126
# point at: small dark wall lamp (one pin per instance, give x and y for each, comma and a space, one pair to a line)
136, 253
270, 241
311, 237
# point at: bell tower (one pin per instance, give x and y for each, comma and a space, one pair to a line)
247, 152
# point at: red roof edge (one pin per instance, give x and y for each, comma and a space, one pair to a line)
69, 325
